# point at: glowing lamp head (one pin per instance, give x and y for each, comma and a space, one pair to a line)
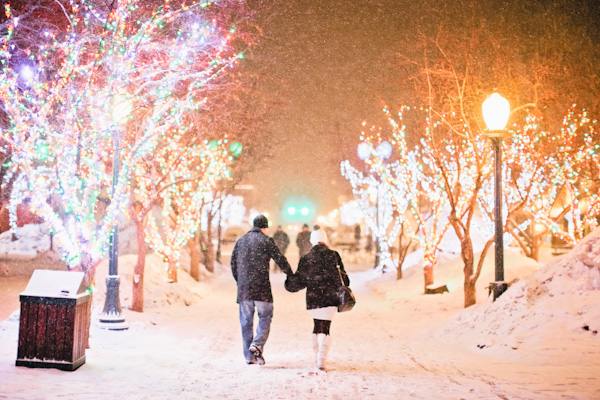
291, 210
384, 150
496, 110
27, 74
373, 197
364, 151
304, 211
121, 109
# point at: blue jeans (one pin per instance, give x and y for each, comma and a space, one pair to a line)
265, 314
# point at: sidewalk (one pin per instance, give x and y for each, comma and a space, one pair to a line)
380, 350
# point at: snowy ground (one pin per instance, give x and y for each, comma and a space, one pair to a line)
396, 344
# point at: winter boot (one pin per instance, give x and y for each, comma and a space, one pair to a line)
324, 342
315, 343
257, 353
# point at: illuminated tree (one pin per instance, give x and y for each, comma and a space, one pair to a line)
425, 193
181, 181
375, 201
510, 206
224, 210
575, 178
554, 182
377, 195
63, 113
413, 182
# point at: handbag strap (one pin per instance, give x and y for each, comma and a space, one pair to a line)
340, 273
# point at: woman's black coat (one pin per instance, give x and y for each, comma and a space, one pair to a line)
318, 273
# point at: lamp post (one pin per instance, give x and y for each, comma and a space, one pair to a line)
496, 110
111, 317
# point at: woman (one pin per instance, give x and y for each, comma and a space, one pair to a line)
318, 273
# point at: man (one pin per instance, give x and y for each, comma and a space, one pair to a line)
250, 268
282, 242
303, 241
356, 237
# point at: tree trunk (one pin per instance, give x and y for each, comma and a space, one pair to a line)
466, 253
194, 245
137, 299
219, 231
172, 271
428, 275
89, 270
399, 271
402, 252
209, 255
208, 248
535, 247
470, 293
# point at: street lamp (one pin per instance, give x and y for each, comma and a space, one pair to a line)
364, 151
111, 317
496, 110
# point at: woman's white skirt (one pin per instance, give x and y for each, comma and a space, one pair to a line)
324, 313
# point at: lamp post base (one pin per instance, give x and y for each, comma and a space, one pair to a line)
498, 288
111, 317
116, 324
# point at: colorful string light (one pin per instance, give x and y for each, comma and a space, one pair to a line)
63, 119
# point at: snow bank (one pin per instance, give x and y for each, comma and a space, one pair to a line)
158, 292
560, 301
33, 239
30, 240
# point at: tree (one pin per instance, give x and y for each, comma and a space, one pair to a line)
186, 179
169, 172
63, 118
375, 195
421, 191
553, 188
428, 203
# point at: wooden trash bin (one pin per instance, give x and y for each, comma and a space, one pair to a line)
54, 319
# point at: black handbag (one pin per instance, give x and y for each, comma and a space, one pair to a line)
346, 299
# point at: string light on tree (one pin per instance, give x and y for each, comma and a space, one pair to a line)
162, 59
379, 195
186, 179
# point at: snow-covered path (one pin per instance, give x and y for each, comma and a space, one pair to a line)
381, 350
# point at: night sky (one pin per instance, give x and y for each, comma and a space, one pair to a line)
335, 64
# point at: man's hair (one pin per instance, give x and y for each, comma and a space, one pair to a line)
261, 222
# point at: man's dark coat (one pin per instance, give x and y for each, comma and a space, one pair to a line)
250, 265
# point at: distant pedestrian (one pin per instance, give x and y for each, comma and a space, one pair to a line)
303, 241
250, 268
282, 241
357, 234
320, 272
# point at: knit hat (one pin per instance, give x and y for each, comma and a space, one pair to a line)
317, 237
261, 222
